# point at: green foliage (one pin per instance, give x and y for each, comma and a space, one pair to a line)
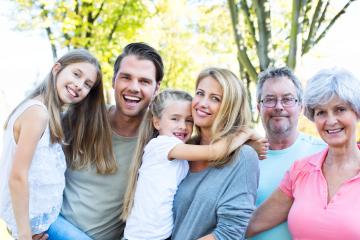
242, 35
103, 27
278, 32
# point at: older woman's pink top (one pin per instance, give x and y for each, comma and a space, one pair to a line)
311, 216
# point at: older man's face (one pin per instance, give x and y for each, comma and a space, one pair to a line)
279, 120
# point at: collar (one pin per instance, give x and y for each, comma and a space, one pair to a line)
318, 159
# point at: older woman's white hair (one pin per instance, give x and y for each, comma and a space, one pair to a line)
330, 83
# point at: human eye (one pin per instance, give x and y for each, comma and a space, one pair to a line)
199, 93
341, 109
145, 81
319, 113
215, 99
190, 121
124, 77
76, 74
269, 100
288, 100
88, 84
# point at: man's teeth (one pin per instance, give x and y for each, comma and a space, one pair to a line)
334, 131
131, 98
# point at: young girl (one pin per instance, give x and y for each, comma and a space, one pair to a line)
155, 174
33, 163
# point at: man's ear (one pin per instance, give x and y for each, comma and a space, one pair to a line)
156, 123
56, 68
157, 88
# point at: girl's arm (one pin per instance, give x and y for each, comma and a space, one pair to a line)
271, 213
260, 145
209, 152
29, 128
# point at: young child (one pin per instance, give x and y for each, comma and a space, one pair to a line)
33, 163
156, 172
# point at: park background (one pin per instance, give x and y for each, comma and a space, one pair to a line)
242, 35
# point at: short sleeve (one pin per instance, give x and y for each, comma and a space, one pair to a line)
160, 147
287, 183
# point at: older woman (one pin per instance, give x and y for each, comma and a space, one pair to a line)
320, 194
216, 200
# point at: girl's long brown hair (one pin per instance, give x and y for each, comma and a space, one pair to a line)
87, 129
83, 129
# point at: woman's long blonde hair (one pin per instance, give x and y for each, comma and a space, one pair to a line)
147, 131
234, 112
84, 129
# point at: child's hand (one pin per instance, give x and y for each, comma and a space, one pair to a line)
40, 236
260, 145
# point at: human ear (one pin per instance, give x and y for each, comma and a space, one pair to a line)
56, 68
156, 123
157, 88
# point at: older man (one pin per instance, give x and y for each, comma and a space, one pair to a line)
279, 97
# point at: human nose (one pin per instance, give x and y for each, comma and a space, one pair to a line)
79, 83
331, 119
203, 102
134, 86
182, 125
278, 104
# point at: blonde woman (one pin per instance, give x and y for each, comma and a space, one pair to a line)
157, 171
216, 199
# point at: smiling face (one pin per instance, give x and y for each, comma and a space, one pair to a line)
134, 85
175, 120
206, 103
74, 82
336, 123
279, 120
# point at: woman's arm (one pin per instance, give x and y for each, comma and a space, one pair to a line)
30, 125
236, 202
271, 213
209, 152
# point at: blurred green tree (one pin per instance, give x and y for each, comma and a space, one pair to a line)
102, 26
270, 33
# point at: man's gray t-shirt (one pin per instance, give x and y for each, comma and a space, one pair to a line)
92, 202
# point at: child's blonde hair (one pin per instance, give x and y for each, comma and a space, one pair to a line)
147, 131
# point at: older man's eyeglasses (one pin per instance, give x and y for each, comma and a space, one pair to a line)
270, 102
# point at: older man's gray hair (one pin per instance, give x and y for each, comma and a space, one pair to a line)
330, 83
273, 73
